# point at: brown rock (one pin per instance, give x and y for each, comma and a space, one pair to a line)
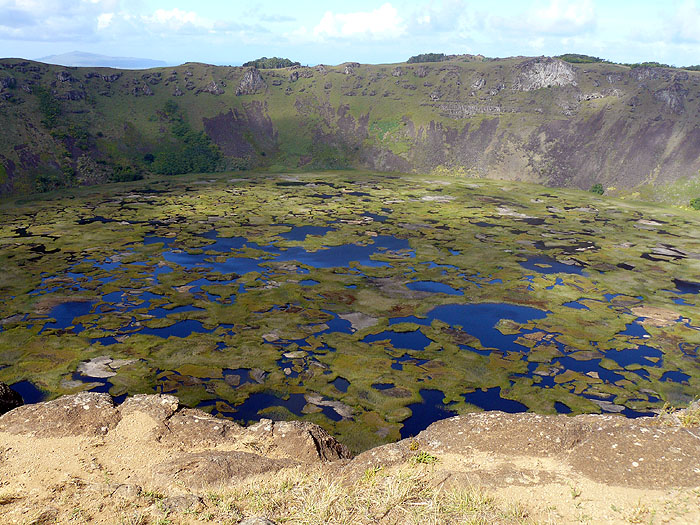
301, 440
9, 399
217, 468
83, 414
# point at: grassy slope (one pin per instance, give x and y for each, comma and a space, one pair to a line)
624, 135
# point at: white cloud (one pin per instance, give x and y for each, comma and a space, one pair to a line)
564, 16
176, 19
686, 23
557, 17
381, 23
104, 20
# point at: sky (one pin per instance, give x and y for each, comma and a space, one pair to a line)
322, 32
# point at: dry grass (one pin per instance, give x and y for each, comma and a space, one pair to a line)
685, 417
405, 495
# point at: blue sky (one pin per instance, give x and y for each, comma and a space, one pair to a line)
313, 32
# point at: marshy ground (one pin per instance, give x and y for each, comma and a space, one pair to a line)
370, 304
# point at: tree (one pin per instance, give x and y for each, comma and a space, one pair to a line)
598, 188
427, 57
270, 63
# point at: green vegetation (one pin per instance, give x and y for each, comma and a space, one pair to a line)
427, 57
125, 174
598, 188
695, 203
271, 63
191, 152
48, 106
575, 58
649, 64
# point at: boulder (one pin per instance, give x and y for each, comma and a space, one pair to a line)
83, 414
212, 88
9, 399
301, 440
7, 82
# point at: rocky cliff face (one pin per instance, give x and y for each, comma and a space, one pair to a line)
535, 119
9, 399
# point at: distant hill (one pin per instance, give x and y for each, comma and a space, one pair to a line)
537, 119
81, 59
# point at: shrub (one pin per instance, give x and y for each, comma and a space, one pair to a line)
125, 174
271, 63
48, 106
598, 188
427, 57
575, 58
695, 203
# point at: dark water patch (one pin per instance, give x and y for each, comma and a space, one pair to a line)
97, 218
237, 376
479, 320
335, 325
228, 244
382, 386
626, 266
557, 282
634, 414
161, 312
635, 329
343, 255
675, 376
22, 232
680, 300
686, 286
40, 248
288, 183
532, 221
250, 408
398, 362
577, 305
341, 384
415, 340
548, 265
638, 356
29, 391
179, 329
309, 282
482, 224
433, 287
327, 257
125, 302
299, 233
431, 409
587, 367
561, 408
569, 249
376, 216
490, 399
65, 313
153, 239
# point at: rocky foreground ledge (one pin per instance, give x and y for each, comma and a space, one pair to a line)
148, 460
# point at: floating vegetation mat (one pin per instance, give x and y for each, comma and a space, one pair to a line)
368, 303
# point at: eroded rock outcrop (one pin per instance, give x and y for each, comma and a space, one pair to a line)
543, 72
251, 83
